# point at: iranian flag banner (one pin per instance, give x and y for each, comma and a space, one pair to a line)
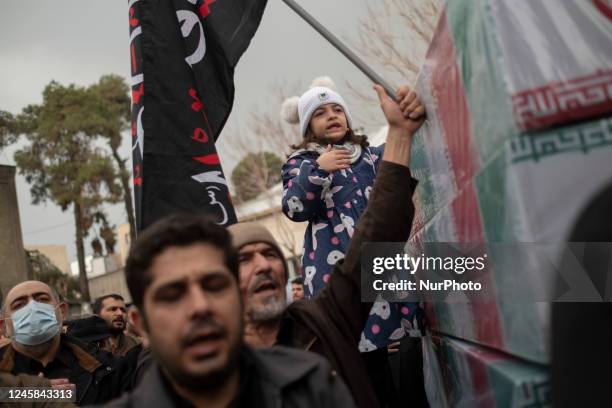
518, 143
461, 374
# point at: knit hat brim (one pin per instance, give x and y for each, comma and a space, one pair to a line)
316, 97
245, 233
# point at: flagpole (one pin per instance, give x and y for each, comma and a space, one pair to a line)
340, 46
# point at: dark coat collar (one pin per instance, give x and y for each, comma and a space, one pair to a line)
88, 362
272, 366
270, 369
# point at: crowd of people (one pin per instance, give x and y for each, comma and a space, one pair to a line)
210, 323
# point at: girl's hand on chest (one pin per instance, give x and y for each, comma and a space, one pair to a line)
334, 160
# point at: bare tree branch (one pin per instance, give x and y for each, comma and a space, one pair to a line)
394, 38
265, 130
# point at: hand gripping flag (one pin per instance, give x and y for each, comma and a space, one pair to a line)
183, 54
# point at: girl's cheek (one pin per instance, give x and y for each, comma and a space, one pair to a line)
316, 128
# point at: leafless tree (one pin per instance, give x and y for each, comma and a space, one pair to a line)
393, 39
267, 131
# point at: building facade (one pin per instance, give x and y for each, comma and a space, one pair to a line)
266, 209
57, 254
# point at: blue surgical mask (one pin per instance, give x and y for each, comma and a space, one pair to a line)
35, 323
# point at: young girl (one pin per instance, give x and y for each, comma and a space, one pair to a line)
327, 182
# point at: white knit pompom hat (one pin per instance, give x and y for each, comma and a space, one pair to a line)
310, 101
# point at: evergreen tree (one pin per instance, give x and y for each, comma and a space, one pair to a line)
61, 162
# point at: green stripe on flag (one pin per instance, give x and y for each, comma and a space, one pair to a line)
480, 61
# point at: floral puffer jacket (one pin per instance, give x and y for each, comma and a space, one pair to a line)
332, 203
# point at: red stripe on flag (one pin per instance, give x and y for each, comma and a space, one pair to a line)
449, 94
605, 7
469, 229
210, 159
477, 361
466, 216
450, 100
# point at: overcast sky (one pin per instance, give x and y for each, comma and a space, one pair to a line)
77, 41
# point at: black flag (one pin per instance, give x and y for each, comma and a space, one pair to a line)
183, 54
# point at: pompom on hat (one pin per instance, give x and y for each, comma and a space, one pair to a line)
299, 110
289, 110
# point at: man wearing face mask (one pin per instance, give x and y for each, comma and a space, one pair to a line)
32, 317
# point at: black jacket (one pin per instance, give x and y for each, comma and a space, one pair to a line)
95, 379
331, 323
271, 377
28, 381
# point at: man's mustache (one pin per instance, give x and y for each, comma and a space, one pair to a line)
203, 328
261, 280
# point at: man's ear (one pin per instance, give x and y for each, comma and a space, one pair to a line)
6, 327
138, 319
63, 308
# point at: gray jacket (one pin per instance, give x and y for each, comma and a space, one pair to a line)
284, 377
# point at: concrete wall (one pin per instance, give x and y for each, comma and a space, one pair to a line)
13, 267
112, 282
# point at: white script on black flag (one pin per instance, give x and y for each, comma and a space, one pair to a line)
188, 20
213, 177
213, 201
139, 134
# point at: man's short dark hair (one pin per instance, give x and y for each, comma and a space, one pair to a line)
175, 230
97, 306
297, 281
